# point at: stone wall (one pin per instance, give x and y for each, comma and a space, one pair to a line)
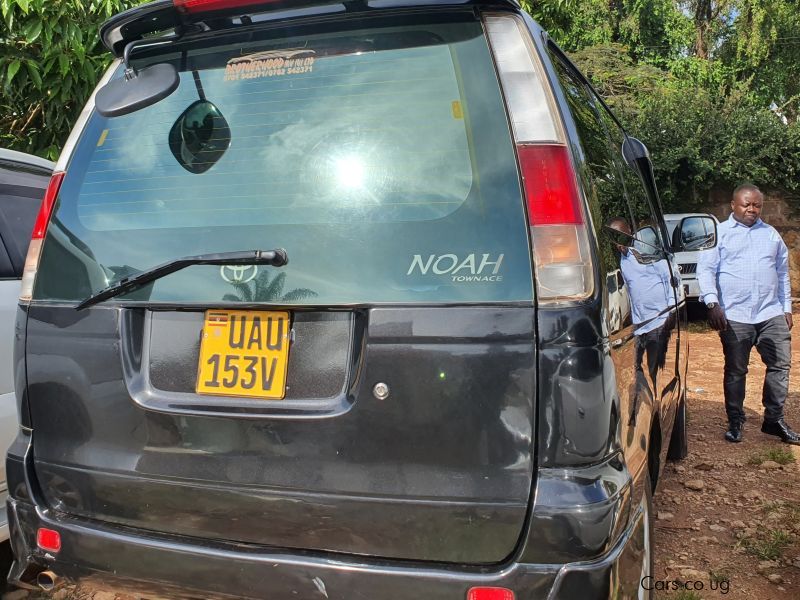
792, 238
777, 213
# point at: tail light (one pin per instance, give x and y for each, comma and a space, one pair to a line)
561, 251
490, 593
37, 237
48, 539
558, 230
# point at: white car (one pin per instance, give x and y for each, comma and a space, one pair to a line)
619, 306
690, 234
23, 181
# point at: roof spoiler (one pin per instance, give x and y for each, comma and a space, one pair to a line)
165, 15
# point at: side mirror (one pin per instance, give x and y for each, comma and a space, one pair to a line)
637, 156
645, 243
696, 233
199, 137
634, 151
617, 237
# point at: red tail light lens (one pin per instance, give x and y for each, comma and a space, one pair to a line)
48, 539
490, 593
46, 209
198, 6
37, 237
561, 254
550, 188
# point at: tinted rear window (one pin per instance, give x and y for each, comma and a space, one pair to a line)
380, 159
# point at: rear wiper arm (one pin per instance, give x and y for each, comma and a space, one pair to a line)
275, 258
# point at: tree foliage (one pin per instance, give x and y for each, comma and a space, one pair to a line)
50, 61
711, 86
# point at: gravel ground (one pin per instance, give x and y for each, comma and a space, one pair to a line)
728, 516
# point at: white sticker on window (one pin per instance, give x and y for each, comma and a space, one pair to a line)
273, 63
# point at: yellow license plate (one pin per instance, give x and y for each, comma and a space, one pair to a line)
244, 353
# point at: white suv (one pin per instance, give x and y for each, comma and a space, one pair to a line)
23, 180
691, 233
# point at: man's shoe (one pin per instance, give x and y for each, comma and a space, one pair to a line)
782, 430
734, 433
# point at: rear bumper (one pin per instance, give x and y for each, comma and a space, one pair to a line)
139, 560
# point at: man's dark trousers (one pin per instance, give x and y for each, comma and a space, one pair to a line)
773, 342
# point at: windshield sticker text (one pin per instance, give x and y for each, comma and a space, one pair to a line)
483, 268
270, 64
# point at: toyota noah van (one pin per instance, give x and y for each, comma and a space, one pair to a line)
23, 179
345, 299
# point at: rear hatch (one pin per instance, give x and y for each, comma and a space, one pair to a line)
373, 396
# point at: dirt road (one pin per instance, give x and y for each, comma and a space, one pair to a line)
739, 534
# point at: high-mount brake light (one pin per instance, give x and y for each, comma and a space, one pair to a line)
561, 252
37, 237
197, 6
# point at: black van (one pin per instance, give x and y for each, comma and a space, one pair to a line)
345, 299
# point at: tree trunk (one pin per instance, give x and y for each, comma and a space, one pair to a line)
702, 22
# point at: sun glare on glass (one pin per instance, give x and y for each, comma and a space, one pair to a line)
350, 172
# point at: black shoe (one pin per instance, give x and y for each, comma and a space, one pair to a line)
782, 430
734, 433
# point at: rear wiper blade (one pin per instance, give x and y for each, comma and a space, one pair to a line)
275, 258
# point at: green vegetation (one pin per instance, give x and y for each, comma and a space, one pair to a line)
782, 456
719, 576
768, 546
772, 542
711, 86
789, 512
50, 61
698, 327
681, 595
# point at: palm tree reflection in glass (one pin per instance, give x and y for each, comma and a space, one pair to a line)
264, 289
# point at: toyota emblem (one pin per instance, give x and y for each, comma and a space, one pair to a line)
237, 275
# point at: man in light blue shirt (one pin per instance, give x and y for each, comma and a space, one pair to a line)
744, 282
650, 288
649, 283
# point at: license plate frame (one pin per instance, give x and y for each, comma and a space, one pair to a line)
244, 354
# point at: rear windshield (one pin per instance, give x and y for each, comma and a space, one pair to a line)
380, 159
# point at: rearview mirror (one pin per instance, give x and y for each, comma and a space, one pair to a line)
199, 137
137, 90
695, 233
